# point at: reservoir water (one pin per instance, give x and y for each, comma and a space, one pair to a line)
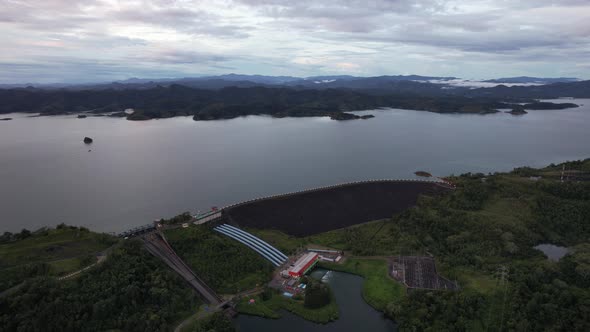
139, 171
355, 313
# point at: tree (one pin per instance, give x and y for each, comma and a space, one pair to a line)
317, 295
25, 233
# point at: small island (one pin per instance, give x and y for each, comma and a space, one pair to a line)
548, 106
423, 174
518, 110
5, 119
349, 116
82, 116
88, 140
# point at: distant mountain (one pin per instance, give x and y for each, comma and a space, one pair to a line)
25, 85
400, 84
135, 80
250, 78
536, 80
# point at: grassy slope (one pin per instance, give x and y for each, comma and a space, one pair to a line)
56, 245
284, 242
54, 252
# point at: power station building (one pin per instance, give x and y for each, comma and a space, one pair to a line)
303, 264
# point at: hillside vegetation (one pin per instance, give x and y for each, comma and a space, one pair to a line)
482, 235
130, 291
223, 263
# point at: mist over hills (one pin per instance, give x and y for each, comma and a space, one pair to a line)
534, 80
385, 82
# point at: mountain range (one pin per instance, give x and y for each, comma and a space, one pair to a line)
401, 83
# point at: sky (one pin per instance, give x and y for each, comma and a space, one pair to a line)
68, 41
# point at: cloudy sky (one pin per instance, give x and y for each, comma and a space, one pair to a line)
101, 40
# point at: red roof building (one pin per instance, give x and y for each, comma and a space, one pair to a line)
303, 264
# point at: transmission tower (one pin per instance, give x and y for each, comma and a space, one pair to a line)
503, 276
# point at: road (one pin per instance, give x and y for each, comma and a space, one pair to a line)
158, 247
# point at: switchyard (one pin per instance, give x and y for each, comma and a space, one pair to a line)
419, 272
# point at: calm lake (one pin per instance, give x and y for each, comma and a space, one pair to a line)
355, 313
140, 171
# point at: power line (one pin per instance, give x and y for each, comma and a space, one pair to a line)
503, 271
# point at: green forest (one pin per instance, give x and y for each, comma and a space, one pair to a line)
130, 291
231, 102
224, 264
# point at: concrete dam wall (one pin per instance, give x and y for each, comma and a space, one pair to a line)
323, 209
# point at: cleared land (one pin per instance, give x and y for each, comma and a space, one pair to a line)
51, 252
308, 213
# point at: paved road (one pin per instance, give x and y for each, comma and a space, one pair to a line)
158, 247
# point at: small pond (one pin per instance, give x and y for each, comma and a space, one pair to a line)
552, 252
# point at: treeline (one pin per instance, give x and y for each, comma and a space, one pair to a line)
179, 219
231, 102
25, 233
11, 237
131, 291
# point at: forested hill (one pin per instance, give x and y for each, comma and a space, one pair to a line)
230, 102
